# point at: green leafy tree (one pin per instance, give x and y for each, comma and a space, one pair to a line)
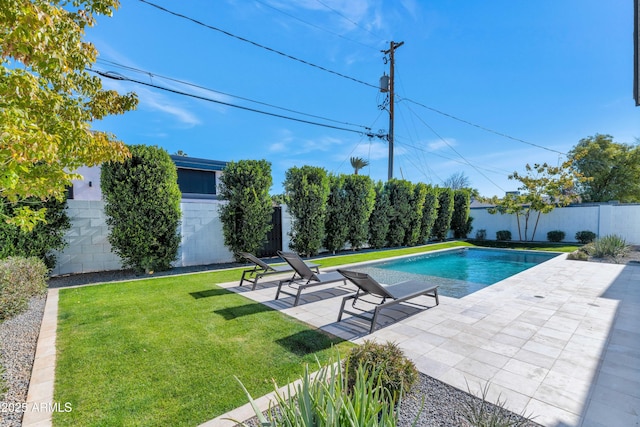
142, 204
542, 189
48, 101
380, 217
336, 223
412, 237
445, 212
611, 169
246, 218
307, 189
429, 214
46, 236
358, 163
460, 218
400, 194
361, 197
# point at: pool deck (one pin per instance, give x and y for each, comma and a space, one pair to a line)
560, 341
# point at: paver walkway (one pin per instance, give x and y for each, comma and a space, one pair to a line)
560, 341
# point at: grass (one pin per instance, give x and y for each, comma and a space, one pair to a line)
164, 351
536, 246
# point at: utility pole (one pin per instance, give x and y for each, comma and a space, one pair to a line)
392, 47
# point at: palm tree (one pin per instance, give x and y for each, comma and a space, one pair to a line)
358, 163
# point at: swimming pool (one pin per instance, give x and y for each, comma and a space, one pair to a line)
459, 272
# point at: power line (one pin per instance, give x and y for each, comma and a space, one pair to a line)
347, 18
286, 55
454, 150
481, 127
152, 74
116, 76
314, 25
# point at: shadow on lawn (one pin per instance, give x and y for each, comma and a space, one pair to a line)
210, 293
230, 313
307, 342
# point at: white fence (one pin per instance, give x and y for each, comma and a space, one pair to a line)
623, 220
203, 242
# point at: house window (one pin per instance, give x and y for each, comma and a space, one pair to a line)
197, 183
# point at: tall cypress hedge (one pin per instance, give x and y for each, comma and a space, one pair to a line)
460, 218
412, 237
400, 195
307, 189
429, 214
336, 224
246, 218
380, 217
142, 204
445, 211
360, 197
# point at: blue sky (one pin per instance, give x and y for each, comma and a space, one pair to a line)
480, 86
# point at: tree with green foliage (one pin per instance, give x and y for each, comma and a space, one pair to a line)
307, 189
400, 194
336, 222
429, 214
543, 188
142, 205
412, 236
43, 240
460, 219
445, 211
611, 169
380, 217
48, 101
361, 198
246, 217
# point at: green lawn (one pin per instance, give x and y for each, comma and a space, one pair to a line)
163, 351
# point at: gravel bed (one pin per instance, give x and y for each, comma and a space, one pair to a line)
436, 404
18, 340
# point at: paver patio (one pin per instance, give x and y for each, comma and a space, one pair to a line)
560, 341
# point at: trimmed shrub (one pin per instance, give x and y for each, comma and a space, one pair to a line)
412, 236
612, 245
585, 236
429, 214
397, 373
20, 279
503, 235
555, 236
336, 221
142, 205
307, 189
460, 223
45, 238
400, 194
380, 218
246, 218
578, 255
361, 198
445, 211
481, 234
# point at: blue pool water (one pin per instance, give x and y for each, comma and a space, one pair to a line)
459, 272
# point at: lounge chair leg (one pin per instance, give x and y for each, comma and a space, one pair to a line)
297, 297
374, 320
279, 287
255, 283
243, 275
344, 301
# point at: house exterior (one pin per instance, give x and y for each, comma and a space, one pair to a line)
197, 179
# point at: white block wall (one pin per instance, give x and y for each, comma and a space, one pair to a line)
623, 220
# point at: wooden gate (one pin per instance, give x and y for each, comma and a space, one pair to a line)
274, 237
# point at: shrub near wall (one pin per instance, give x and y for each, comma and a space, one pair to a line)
460, 218
246, 218
445, 211
142, 205
307, 189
